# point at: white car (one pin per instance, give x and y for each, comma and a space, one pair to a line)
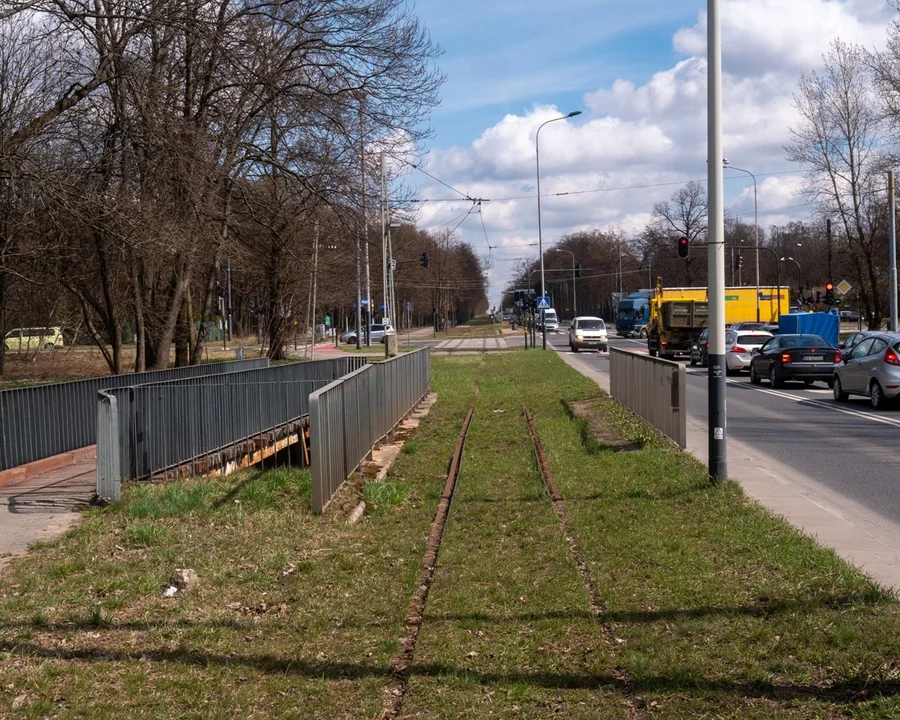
739, 347
588, 332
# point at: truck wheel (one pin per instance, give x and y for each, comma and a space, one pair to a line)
643, 333
651, 349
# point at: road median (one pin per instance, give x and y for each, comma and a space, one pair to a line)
706, 604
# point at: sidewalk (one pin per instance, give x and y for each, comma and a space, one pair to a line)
855, 533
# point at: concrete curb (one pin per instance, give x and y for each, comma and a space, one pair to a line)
54, 462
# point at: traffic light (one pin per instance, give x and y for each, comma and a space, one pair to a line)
578, 270
829, 293
684, 247
738, 262
424, 260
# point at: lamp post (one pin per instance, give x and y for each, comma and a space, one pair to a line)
726, 164
799, 273
537, 161
574, 296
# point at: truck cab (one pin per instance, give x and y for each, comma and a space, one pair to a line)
633, 314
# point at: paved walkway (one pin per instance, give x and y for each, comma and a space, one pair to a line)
44, 506
472, 345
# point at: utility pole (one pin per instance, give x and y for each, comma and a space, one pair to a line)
385, 218
365, 220
716, 250
228, 284
830, 251
892, 227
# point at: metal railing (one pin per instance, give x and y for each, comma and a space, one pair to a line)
45, 420
151, 428
350, 416
652, 388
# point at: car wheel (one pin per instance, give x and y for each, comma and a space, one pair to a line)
876, 396
774, 380
808, 382
574, 348
692, 361
838, 391
754, 378
704, 361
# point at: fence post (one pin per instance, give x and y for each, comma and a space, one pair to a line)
109, 465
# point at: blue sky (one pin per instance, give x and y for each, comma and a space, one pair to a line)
636, 69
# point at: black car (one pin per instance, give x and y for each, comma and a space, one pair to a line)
794, 357
700, 349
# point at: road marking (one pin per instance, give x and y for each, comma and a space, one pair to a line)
826, 404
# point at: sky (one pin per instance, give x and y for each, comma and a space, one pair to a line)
636, 69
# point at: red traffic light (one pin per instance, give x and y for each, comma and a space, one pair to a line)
684, 247
829, 287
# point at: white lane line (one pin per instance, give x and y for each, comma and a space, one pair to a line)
831, 405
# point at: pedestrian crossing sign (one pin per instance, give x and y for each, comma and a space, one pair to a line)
543, 303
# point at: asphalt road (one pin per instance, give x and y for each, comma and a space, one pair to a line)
848, 447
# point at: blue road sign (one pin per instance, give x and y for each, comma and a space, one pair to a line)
543, 303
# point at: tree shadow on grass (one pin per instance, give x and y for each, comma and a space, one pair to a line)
853, 690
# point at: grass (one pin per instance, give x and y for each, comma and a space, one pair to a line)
711, 607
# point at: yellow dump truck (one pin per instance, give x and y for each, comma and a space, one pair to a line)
678, 315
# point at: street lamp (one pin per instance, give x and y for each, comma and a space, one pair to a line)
799, 273
574, 296
726, 164
537, 160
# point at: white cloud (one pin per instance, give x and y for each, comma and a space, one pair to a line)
636, 137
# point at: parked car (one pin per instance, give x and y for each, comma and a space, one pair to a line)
871, 369
849, 316
700, 349
34, 338
588, 332
377, 331
809, 358
853, 340
739, 347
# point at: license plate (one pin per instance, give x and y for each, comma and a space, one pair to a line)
813, 358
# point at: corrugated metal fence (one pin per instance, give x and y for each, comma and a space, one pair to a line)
652, 388
149, 428
350, 416
37, 422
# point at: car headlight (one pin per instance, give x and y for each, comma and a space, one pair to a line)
579, 336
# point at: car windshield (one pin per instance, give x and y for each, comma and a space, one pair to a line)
590, 325
752, 339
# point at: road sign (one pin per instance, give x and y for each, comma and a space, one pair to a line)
543, 303
844, 287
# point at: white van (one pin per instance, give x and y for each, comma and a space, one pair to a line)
550, 320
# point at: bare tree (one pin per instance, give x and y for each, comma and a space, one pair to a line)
684, 215
837, 141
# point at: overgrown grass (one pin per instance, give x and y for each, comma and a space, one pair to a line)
712, 607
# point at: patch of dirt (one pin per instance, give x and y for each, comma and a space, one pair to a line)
347, 497
595, 430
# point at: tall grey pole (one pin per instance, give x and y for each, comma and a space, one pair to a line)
228, 283
893, 237
716, 247
312, 306
828, 237
365, 221
755, 227
385, 217
537, 162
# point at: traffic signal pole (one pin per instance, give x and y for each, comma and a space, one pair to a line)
716, 247
893, 238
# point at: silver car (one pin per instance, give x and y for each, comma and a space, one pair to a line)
871, 369
588, 332
739, 347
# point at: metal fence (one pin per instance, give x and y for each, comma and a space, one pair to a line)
652, 388
154, 427
347, 418
45, 420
